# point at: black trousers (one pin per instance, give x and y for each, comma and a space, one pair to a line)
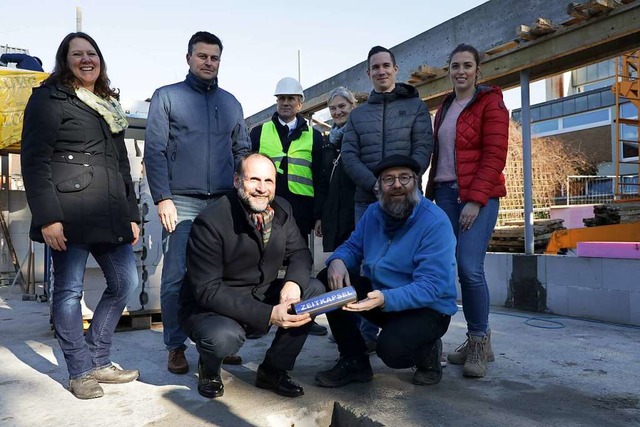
405, 336
217, 336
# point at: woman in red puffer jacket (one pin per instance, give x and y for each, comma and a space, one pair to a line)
471, 137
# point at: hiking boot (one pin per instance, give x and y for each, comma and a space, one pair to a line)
429, 370
114, 375
459, 356
209, 385
346, 371
476, 363
85, 387
177, 363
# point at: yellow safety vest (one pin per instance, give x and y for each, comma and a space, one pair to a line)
300, 177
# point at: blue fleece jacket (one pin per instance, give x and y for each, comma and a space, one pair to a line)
413, 268
195, 135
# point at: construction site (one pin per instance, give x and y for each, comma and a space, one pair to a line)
562, 267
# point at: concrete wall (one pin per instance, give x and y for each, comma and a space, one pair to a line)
488, 25
594, 288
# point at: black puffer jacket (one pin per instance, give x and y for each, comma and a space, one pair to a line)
75, 170
388, 123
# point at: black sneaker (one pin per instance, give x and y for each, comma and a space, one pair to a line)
429, 369
346, 371
318, 330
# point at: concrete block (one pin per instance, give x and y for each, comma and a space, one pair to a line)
634, 308
94, 285
542, 269
621, 275
610, 306
573, 271
558, 299
497, 272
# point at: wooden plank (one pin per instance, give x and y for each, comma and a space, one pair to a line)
503, 47
590, 8
542, 27
565, 49
425, 72
523, 32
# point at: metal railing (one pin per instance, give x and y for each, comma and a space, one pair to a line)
597, 189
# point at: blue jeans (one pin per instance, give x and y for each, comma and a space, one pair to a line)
85, 353
470, 254
174, 266
368, 330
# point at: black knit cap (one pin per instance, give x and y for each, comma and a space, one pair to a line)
395, 161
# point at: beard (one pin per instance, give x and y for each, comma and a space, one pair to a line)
254, 203
400, 209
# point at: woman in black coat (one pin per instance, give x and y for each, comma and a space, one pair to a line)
82, 200
337, 221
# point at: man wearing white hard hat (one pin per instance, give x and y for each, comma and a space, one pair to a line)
296, 149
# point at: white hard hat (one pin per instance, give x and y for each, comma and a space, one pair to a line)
289, 86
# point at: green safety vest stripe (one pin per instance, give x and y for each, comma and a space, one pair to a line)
299, 162
300, 176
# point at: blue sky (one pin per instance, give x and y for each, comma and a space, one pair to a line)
144, 42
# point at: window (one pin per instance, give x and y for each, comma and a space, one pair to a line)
586, 119
544, 127
628, 133
629, 111
593, 76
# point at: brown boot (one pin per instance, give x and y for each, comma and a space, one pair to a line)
113, 375
177, 363
459, 356
85, 387
476, 363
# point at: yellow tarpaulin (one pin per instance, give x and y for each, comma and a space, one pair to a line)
15, 90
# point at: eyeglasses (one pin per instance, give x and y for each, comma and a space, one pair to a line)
389, 180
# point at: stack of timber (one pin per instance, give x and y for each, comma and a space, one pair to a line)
578, 12
613, 214
583, 11
510, 237
540, 27
423, 74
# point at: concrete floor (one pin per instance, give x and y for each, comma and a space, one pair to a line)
550, 372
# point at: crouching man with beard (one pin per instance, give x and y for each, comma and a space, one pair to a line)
407, 249
235, 249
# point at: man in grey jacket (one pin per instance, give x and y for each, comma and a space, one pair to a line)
394, 120
195, 135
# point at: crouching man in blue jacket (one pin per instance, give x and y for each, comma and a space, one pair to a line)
406, 247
